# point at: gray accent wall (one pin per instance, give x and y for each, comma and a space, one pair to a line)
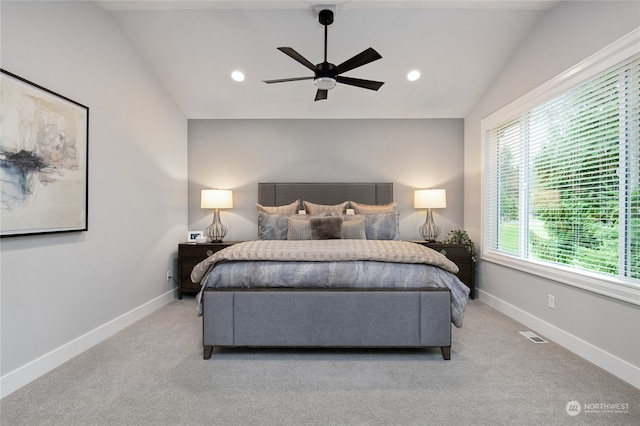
412, 153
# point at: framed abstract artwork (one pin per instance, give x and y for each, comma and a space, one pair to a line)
44, 141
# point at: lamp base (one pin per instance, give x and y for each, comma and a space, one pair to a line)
216, 231
429, 230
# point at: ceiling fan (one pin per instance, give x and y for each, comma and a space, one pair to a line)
326, 74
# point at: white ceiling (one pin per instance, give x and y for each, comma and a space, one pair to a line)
193, 46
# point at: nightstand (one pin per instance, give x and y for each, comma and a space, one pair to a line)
458, 254
189, 255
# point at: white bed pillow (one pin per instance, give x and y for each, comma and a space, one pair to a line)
313, 208
360, 208
285, 209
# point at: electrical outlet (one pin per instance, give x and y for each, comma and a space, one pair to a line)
169, 275
552, 302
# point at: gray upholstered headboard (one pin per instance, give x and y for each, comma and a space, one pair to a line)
281, 193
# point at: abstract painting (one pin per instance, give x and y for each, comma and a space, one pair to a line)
43, 160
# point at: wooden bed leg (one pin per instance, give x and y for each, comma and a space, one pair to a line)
207, 352
446, 352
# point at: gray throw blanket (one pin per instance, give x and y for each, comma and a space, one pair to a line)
326, 251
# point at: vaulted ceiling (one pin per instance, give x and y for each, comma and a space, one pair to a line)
192, 47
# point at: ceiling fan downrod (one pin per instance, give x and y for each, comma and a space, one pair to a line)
325, 82
325, 17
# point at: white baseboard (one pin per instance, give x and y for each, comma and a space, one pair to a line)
611, 363
21, 376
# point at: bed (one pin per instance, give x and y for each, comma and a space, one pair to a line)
331, 278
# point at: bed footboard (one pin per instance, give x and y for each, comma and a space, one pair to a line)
327, 318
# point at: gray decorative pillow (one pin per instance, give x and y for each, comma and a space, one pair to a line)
298, 229
326, 228
354, 229
286, 209
382, 226
312, 208
360, 208
275, 226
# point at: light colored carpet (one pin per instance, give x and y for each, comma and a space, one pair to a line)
152, 373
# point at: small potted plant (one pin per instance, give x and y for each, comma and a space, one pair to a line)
459, 236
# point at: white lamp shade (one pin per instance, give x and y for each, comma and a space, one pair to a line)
216, 199
430, 199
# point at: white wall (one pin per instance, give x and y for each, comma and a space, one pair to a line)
603, 330
413, 154
62, 293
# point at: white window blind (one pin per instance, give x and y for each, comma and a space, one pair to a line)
562, 184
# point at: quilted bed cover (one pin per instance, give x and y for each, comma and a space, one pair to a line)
338, 264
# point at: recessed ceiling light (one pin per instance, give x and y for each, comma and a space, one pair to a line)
237, 76
413, 75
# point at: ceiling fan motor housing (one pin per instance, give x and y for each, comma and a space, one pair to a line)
325, 69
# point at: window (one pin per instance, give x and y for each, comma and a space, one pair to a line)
562, 180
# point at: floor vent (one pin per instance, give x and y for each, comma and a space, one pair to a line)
533, 337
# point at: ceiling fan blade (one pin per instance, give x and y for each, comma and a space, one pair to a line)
359, 60
283, 80
321, 95
365, 84
298, 57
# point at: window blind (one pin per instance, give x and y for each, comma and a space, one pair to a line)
562, 179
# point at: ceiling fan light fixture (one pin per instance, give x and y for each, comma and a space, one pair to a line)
325, 83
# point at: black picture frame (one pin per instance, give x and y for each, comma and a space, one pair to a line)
44, 159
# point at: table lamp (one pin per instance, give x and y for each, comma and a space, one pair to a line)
430, 199
216, 199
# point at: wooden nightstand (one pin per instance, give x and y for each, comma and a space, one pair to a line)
458, 254
189, 255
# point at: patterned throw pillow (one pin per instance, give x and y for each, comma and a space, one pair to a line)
275, 226
379, 226
382, 226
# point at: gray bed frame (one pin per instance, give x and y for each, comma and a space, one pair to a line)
408, 318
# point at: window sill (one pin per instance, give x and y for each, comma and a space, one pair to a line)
606, 286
